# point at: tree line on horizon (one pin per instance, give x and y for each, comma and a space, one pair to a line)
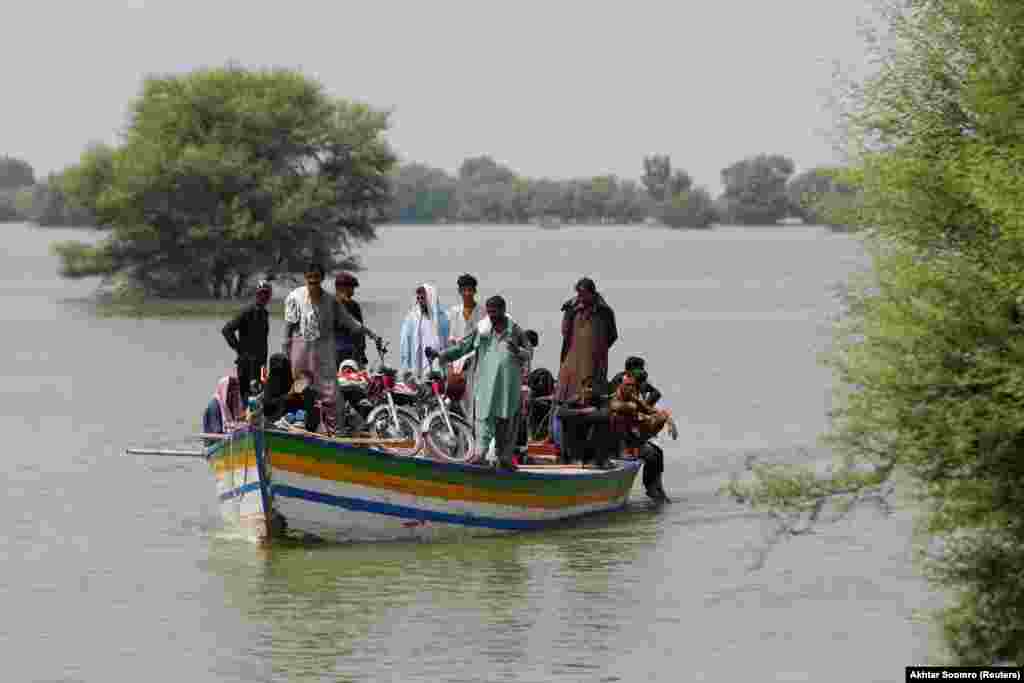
225, 175
758, 190
24, 199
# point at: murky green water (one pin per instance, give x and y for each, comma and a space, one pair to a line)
117, 568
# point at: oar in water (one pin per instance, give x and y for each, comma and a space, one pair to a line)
172, 452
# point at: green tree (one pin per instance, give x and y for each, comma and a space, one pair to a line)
15, 173
49, 206
8, 207
931, 352
423, 194
225, 173
817, 196
659, 179
691, 209
755, 189
486, 191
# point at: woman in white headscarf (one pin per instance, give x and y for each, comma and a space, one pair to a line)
426, 325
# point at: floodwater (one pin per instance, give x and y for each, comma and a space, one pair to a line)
118, 568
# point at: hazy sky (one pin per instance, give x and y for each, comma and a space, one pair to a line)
556, 88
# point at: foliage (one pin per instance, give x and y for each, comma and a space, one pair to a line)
43, 203
819, 197
8, 206
487, 192
15, 173
931, 352
422, 194
693, 208
662, 185
226, 173
755, 190
47, 205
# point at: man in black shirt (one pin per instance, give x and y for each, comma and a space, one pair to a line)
350, 345
247, 335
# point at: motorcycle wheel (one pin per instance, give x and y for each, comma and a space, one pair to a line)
408, 428
440, 443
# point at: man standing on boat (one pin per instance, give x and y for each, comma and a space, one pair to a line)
247, 334
499, 348
350, 345
312, 321
588, 332
426, 325
463, 319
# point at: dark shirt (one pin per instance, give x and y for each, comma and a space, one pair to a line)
647, 392
212, 421
247, 333
352, 345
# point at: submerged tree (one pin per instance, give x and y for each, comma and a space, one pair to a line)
15, 173
931, 351
422, 194
819, 197
226, 173
755, 189
661, 183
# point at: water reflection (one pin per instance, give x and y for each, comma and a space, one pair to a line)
323, 611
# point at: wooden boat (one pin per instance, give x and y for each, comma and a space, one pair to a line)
275, 480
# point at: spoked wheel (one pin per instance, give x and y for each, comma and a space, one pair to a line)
439, 441
408, 429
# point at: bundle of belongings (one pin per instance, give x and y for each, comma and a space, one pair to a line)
351, 377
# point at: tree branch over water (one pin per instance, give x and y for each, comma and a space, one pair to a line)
930, 349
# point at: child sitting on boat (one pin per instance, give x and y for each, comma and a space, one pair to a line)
283, 394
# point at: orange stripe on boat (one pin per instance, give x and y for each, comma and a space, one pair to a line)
432, 489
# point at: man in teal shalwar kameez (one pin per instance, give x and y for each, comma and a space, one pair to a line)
500, 347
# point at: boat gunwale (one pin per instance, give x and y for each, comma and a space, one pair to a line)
216, 450
623, 465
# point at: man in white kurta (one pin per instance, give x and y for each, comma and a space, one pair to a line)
309, 339
312, 318
463, 319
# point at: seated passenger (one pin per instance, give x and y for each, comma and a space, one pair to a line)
282, 395
224, 412
523, 430
632, 414
636, 367
586, 433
